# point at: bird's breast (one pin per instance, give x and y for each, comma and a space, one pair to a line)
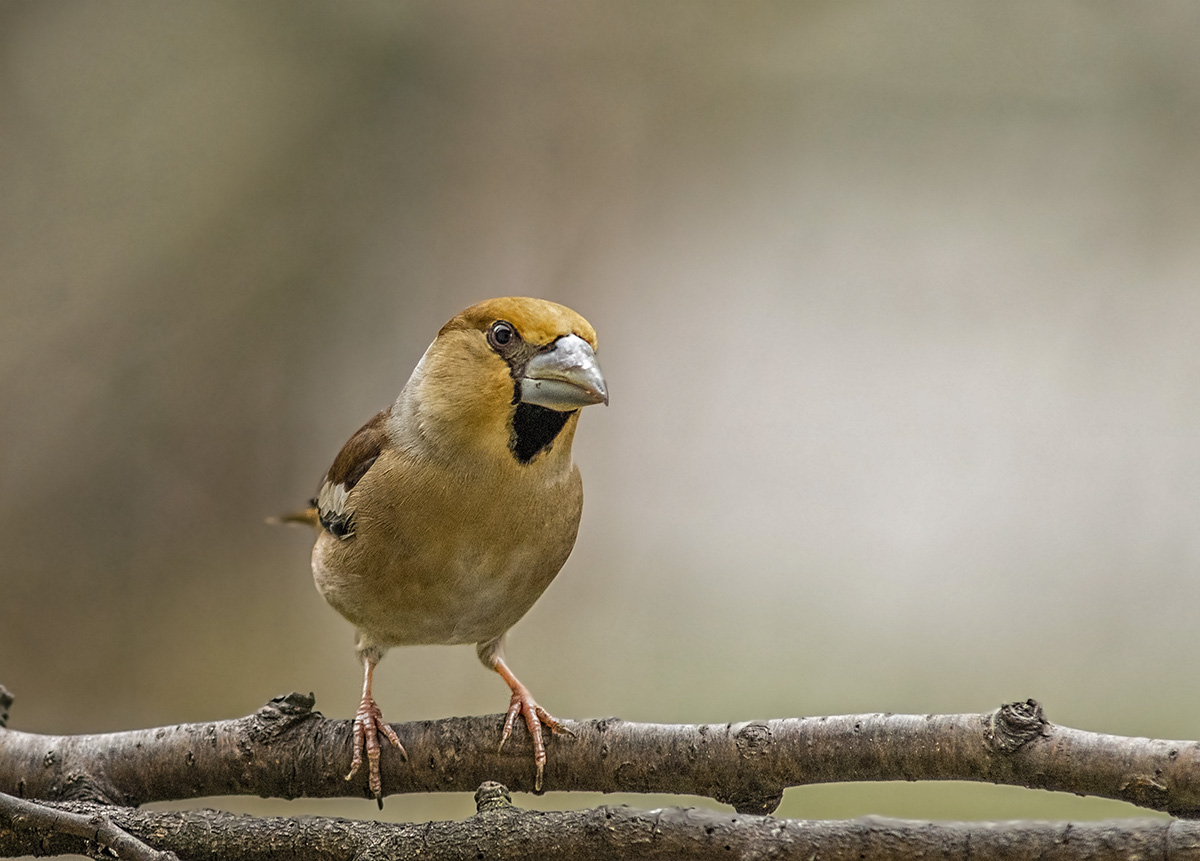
442, 558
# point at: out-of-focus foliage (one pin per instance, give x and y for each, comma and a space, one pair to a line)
898, 304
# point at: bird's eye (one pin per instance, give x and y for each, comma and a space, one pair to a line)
501, 334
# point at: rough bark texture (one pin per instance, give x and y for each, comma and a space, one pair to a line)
287, 750
500, 831
29, 825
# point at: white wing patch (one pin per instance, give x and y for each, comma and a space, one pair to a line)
331, 504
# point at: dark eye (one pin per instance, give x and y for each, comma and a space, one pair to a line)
501, 334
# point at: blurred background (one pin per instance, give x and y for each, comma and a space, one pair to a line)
897, 304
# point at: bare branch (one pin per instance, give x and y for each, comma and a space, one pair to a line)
500, 831
286, 750
34, 824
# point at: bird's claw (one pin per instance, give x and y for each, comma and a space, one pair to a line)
524, 704
368, 725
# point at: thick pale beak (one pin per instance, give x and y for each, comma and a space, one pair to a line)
565, 377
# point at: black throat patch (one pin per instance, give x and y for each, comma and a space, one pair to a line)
534, 429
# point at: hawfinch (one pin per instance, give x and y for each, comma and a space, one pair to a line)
446, 515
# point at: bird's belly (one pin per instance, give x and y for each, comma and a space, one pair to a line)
442, 595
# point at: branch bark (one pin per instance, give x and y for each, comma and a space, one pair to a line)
287, 750
500, 831
28, 825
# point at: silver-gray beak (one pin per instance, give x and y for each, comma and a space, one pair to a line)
565, 377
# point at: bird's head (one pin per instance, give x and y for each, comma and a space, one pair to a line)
504, 379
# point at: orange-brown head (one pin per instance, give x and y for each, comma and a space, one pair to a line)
504, 381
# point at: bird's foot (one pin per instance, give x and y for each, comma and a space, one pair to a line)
368, 725
523, 703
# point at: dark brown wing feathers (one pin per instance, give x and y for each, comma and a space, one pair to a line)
359, 452
350, 465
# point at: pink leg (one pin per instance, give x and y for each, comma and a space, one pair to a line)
368, 724
523, 703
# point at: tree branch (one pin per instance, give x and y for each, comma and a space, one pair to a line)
30, 825
500, 831
287, 750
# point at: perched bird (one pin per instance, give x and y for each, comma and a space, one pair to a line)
445, 517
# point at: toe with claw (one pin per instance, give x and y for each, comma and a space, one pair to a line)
523, 703
369, 725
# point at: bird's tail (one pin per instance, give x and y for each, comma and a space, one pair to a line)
307, 517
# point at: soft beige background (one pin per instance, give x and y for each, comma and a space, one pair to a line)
898, 304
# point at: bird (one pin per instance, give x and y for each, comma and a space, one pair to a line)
444, 517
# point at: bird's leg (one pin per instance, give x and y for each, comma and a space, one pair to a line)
524, 704
368, 724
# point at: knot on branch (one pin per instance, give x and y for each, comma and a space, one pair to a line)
1146, 790
492, 796
753, 795
753, 739
94, 788
6, 701
280, 715
1016, 724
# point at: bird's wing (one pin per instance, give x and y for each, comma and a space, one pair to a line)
351, 464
